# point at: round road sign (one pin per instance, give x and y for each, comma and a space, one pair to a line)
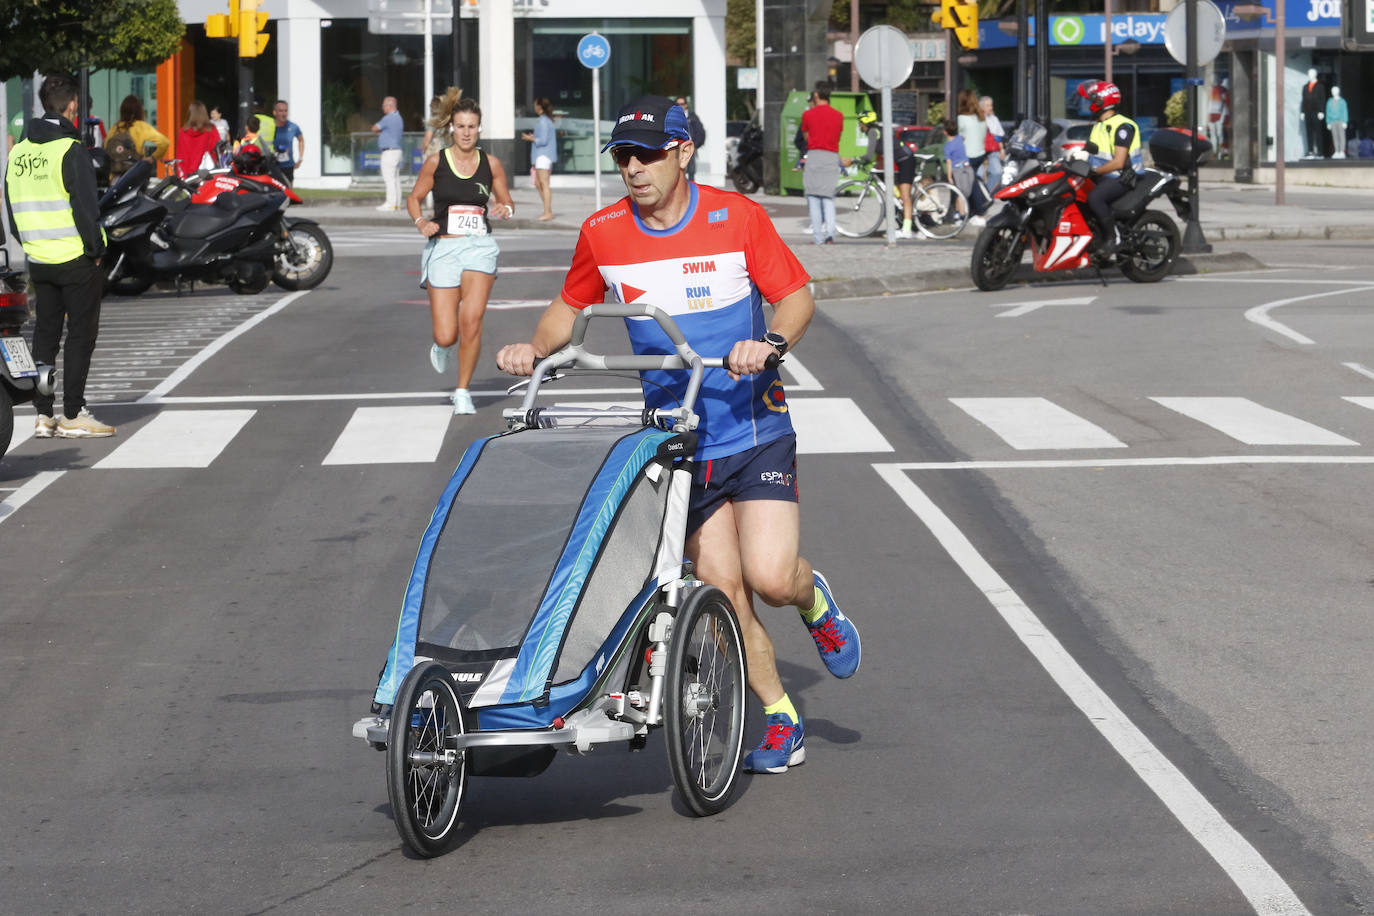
883, 57
1211, 32
593, 51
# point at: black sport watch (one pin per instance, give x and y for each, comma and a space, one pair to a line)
776, 341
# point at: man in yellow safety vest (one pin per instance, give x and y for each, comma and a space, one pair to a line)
54, 212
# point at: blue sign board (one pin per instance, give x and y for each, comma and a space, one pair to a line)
1087, 30
593, 51
1297, 14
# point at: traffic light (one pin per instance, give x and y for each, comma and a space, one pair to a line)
962, 18
252, 40
218, 25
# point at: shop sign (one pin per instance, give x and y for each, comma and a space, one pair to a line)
1084, 30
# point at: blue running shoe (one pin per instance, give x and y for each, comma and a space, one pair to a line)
781, 747
836, 637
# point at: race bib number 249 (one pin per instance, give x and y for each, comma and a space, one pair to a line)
464, 219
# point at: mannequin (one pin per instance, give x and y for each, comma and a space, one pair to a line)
1337, 116
1313, 113
1218, 114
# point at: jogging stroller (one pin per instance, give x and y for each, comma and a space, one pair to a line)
550, 606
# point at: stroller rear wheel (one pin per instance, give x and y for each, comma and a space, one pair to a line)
705, 701
426, 774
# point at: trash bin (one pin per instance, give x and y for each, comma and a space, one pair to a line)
852, 139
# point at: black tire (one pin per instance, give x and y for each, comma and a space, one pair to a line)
426, 791
704, 703
743, 181
858, 208
940, 208
129, 286
314, 254
995, 256
1154, 244
6, 418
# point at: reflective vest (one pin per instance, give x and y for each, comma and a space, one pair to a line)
40, 202
1104, 136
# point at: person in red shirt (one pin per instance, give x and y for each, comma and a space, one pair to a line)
196, 140
822, 124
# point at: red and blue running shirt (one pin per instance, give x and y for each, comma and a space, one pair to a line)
711, 272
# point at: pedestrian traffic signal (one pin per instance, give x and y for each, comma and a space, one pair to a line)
962, 18
252, 38
218, 25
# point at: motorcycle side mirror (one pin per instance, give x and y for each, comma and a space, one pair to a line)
1091, 147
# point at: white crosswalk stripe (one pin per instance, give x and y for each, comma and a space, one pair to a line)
1036, 423
1253, 424
179, 439
391, 435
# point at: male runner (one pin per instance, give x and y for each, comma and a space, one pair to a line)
709, 258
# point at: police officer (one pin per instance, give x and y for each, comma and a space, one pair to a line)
1116, 161
54, 212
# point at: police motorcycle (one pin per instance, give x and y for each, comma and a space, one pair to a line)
20, 375
228, 226
1045, 209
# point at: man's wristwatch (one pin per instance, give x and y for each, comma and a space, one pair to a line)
776, 341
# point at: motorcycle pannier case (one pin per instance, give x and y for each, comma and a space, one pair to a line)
1170, 148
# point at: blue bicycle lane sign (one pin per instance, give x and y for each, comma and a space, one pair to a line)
593, 51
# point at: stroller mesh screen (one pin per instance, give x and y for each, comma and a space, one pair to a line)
504, 534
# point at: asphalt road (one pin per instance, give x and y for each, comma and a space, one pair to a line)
1107, 670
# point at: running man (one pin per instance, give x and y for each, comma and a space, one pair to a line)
709, 258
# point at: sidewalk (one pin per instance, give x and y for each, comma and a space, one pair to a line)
1229, 214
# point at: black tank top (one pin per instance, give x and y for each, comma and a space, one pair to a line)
452, 189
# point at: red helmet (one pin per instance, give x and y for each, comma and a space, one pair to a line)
1100, 94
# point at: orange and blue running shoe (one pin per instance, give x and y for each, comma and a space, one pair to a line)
781, 747
836, 637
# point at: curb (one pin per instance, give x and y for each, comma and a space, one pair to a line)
958, 278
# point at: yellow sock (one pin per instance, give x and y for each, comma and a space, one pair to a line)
818, 607
906, 225
783, 705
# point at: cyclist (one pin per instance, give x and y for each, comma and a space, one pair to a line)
1117, 160
903, 165
744, 526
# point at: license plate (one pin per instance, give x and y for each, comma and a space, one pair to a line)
15, 352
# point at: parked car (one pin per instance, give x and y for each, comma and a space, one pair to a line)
914, 136
1072, 135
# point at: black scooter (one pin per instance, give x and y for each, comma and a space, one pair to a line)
746, 171
20, 375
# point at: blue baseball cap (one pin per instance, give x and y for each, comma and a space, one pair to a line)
651, 122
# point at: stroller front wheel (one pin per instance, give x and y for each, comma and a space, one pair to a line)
705, 701
426, 774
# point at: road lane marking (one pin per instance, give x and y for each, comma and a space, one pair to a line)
391, 435
1017, 309
1104, 463
1253, 424
178, 439
1256, 879
1259, 314
37, 484
195, 362
1356, 367
1362, 401
1036, 423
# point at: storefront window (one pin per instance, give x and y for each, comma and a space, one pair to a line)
358, 70
647, 56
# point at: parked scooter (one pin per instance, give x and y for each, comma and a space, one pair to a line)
20, 375
1045, 209
224, 227
746, 171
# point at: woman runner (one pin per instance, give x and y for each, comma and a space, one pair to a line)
458, 265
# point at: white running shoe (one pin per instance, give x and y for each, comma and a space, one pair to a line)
83, 426
462, 401
439, 357
44, 427
977, 221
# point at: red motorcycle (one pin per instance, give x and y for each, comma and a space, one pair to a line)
1045, 209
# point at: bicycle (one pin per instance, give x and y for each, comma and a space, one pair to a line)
939, 209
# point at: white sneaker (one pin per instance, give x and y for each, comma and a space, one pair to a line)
977, 221
83, 426
386, 208
440, 357
904, 233
462, 401
44, 427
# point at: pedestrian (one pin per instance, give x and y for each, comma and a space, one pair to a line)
388, 130
221, 125
284, 134
55, 214
959, 168
697, 130
126, 143
993, 144
744, 523
543, 154
821, 124
973, 129
250, 135
197, 140
458, 266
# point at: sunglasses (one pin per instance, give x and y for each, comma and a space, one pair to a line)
623, 154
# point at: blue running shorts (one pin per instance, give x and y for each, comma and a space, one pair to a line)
767, 471
443, 261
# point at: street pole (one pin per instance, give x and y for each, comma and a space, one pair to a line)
1193, 240
1280, 59
596, 130
1107, 40
1042, 62
949, 76
760, 100
853, 43
429, 52
1022, 53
